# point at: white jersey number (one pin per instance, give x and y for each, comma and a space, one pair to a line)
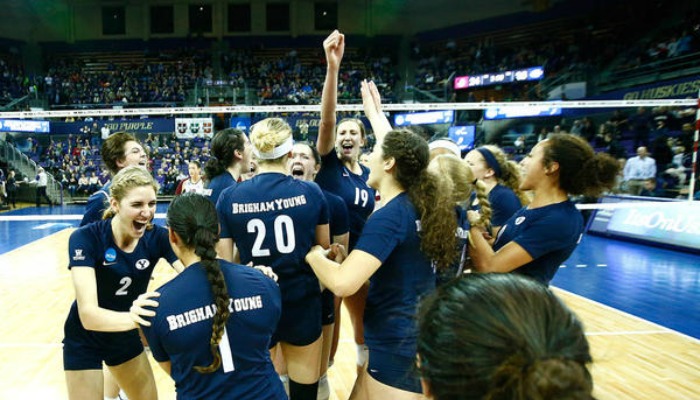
284, 235
226, 353
125, 282
361, 196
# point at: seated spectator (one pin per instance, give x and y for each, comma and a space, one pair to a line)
650, 189
496, 336
83, 185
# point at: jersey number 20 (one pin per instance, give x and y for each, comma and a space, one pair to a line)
283, 229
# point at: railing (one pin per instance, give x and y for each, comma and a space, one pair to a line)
27, 167
654, 71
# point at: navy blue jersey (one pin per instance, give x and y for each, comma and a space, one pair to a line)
220, 183
96, 205
504, 203
405, 276
352, 188
339, 223
182, 327
549, 234
272, 218
456, 269
121, 277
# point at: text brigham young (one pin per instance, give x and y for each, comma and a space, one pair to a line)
272, 205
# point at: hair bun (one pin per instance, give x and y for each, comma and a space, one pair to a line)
557, 378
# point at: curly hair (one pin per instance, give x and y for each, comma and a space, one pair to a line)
581, 170
501, 336
126, 179
193, 217
429, 193
461, 177
112, 149
223, 148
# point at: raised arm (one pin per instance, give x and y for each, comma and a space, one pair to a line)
334, 47
372, 104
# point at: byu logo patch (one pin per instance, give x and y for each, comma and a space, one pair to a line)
142, 264
519, 220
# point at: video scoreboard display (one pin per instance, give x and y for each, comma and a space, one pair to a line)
424, 118
497, 78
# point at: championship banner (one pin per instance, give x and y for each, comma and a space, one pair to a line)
188, 128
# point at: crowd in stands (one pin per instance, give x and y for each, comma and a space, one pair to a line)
665, 134
166, 79
677, 41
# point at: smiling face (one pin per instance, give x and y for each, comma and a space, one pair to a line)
134, 154
135, 210
302, 165
348, 141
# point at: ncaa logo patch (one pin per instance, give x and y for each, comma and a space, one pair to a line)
142, 264
110, 255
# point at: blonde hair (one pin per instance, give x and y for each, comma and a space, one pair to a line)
268, 134
510, 173
126, 179
463, 182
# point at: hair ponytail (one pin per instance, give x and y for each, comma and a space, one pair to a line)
430, 194
193, 217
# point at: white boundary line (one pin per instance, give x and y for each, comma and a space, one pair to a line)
661, 329
344, 107
68, 217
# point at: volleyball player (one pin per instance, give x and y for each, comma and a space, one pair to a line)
341, 172
496, 336
539, 237
464, 184
228, 357
119, 150
501, 178
111, 263
304, 165
230, 158
194, 183
399, 246
274, 219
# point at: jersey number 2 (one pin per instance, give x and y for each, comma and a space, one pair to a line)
125, 282
283, 227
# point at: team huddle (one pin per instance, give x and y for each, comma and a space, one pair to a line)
264, 261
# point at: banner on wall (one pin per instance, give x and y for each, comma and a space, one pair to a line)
188, 128
676, 226
672, 89
136, 126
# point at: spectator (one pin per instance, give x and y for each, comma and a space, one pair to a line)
638, 169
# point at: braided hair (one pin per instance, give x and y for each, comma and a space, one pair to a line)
193, 217
430, 194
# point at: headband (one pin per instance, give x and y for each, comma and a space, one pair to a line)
277, 152
490, 160
447, 145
